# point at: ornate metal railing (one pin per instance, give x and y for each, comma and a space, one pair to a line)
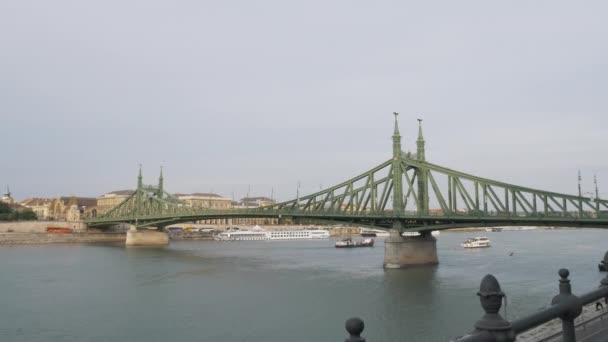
492, 327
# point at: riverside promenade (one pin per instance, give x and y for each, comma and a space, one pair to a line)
591, 326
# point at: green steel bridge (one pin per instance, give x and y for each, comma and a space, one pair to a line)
398, 193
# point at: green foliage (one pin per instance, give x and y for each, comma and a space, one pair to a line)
5, 209
7, 214
27, 215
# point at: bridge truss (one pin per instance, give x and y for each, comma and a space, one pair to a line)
405, 192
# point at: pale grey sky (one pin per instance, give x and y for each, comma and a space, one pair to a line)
231, 94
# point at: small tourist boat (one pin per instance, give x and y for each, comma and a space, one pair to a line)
476, 242
494, 229
349, 243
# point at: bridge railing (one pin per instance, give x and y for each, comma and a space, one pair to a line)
492, 327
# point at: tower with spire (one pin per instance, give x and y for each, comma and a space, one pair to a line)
423, 185
161, 190
420, 143
398, 206
7, 198
140, 182
580, 193
138, 195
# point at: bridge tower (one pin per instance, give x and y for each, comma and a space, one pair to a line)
399, 251
398, 206
138, 194
160, 191
146, 237
423, 183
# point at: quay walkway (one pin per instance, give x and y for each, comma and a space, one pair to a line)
590, 326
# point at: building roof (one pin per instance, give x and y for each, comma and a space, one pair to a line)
80, 201
17, 206
255, 199
123, 192
35, 201
200, 194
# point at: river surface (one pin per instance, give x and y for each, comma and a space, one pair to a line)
277, 291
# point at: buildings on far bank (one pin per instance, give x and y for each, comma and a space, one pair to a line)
255, 202
62, 208
217, 202
205, 200
77, 208
112, 199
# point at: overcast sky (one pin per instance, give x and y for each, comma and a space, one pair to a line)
231, 95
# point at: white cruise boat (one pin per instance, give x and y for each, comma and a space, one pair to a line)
298, 234
476, 242
261, 234
236, 234
433, 233
374, 233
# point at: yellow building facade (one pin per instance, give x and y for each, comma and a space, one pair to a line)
111, 200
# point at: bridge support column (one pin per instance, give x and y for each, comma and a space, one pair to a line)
146, 237
402, 252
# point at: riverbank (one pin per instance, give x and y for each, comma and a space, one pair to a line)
44, 238
40, 226
590, 322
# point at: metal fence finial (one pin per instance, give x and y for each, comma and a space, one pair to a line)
355, 327
490, 296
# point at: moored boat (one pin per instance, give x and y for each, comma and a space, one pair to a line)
433, 233
476, 242
374, 233
236, 234
349, 243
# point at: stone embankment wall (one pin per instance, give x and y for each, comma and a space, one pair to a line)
34, 232
39, 226
35, 238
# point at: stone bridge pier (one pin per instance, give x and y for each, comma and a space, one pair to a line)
146, 237
407, 251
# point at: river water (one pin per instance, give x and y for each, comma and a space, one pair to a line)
278, 290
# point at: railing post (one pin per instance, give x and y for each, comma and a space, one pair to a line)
492, 324
604, 281
565, 297
355, 327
